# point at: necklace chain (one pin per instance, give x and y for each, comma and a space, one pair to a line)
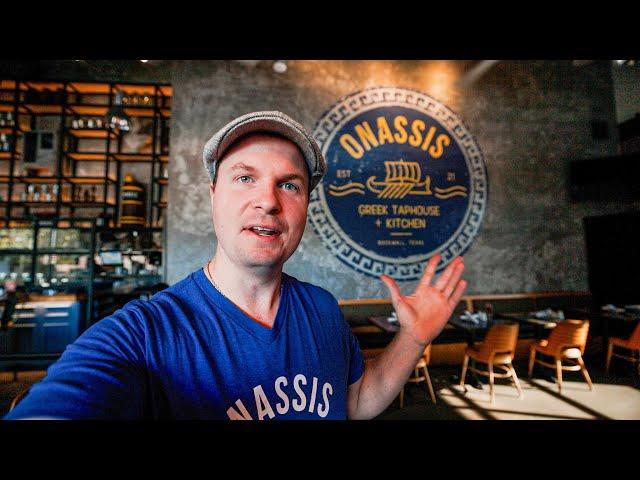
210, 277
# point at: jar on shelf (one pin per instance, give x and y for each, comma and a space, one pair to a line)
133, 195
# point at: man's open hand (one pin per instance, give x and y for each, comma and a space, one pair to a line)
424, 313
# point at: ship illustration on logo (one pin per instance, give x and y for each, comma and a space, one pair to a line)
401, 179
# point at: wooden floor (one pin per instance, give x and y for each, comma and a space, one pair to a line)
615, 395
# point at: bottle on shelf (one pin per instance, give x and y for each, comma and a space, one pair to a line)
30, 193
46, 194
93, 193
86, 197
36, 195
5, 142
10, 121
90, 123
55, 191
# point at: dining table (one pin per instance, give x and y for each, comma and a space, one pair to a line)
384, 323
541, 326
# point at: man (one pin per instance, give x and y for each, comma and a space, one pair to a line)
238, 338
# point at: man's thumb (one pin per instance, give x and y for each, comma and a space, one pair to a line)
394, 290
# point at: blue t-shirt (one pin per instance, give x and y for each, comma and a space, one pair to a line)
190, 353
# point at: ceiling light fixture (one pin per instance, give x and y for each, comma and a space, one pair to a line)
280, 66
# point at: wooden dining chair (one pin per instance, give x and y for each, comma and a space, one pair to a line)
566, 344
496, 351
18, 397
631, 345
421, 374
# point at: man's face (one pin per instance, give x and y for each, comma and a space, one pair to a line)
259, 201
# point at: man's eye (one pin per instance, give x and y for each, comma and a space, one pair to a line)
290, 186
244, 179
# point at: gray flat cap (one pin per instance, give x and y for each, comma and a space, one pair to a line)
267, 122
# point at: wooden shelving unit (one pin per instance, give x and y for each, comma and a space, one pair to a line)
68, 101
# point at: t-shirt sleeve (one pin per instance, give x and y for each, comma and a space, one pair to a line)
357, 359
101, 375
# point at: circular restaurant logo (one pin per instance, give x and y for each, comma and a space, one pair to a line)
405, 180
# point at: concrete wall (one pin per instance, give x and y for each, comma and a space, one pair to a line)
530, 118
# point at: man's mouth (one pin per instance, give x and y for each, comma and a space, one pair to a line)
265, 231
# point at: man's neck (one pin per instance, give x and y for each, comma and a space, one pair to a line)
255, 291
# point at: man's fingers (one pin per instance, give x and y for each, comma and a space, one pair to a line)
442, 282
457, 294
453, 280
394, 290
429, 271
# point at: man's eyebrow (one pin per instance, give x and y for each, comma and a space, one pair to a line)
292, 176
243, 167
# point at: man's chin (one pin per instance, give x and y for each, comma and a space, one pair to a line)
264, 262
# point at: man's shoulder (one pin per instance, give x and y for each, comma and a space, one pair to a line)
317, 293
184, 290
164, 303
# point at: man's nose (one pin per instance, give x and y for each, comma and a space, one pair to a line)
267, 198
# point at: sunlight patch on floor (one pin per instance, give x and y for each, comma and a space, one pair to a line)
541, 401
